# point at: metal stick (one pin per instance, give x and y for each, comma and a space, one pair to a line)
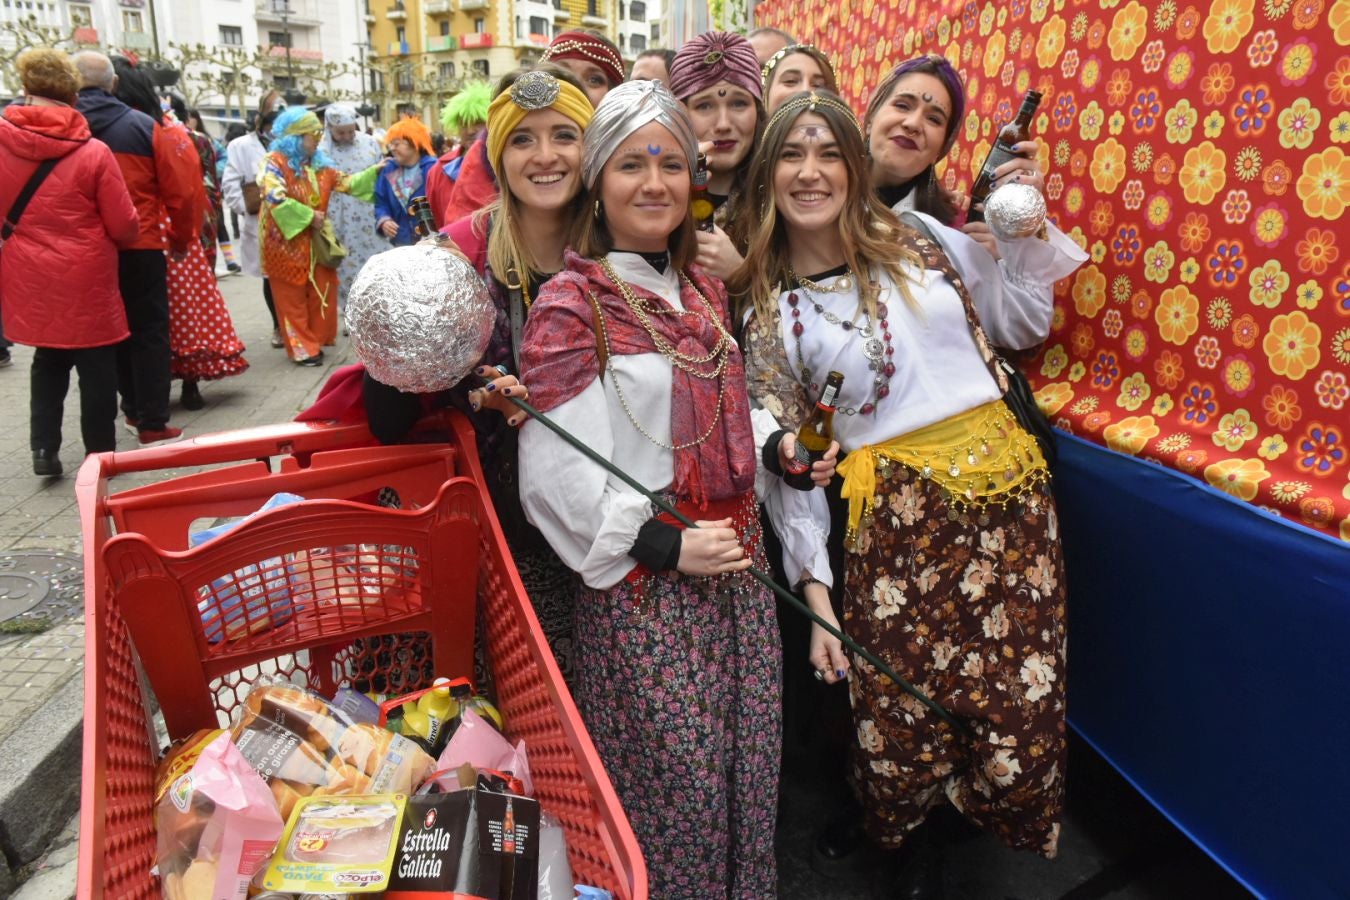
768, 582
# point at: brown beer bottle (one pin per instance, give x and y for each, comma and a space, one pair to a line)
700, 206
815, 434
1016, 131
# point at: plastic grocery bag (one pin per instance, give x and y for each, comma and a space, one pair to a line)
217, 825
480, 745
258, 597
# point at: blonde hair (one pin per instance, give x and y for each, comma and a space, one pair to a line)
49, 74
507, 249
869, 232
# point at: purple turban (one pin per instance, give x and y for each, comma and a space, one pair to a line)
713, 57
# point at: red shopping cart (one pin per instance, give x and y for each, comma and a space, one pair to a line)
378, 578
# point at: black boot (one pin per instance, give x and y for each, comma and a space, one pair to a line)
47, 463
913, 872
192, 396
842, 844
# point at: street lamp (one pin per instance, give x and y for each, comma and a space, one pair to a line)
292, 93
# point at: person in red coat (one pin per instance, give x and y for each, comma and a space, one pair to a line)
67, 239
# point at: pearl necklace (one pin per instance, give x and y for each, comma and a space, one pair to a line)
682, 361
878, 350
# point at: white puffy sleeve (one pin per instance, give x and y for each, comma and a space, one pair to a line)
589, 517
1013, 295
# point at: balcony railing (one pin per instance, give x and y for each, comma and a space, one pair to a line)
396, 13
477, 41
561, 15
442, 42
436, 7
136, 40
299, 13
298, 54
398, 48
538, 40
466, 5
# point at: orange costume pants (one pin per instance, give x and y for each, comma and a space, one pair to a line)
307, 313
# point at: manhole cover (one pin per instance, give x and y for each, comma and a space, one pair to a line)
41, 584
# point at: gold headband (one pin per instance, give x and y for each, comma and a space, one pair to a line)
807, 102
531, 91
766, 71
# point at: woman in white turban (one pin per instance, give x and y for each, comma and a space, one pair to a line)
677, 653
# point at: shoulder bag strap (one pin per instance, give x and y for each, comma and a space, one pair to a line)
934, 257
21, 202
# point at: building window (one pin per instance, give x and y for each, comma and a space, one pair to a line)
480, 68
445, 27
520, 28
231, 36
539, 25
637, 11
447, 71
282, 83
592, 8
623, 12
637, 43
479, 26
402, 35
81, 16
405, 81
275, 38
656, 33
132, 21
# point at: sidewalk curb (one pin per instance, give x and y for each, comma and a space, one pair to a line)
40, 765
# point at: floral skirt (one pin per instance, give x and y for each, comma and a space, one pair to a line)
679, 684
967, 604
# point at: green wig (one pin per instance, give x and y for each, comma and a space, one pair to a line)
467, 109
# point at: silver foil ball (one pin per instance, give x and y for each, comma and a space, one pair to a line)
1015, 211
420, 318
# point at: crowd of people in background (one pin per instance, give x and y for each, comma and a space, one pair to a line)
926, 535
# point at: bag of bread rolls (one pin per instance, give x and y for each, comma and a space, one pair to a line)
303, 746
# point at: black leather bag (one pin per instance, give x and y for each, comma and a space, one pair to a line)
1022, 402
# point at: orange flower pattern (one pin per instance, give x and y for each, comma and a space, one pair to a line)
1200, 152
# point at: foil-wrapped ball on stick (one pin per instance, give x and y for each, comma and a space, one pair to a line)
420, 317
1015, 211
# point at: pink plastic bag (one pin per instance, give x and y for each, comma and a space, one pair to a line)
218, 825
480, 745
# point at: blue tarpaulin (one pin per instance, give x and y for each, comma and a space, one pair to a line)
1209, 662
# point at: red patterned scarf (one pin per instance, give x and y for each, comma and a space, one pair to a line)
559, 359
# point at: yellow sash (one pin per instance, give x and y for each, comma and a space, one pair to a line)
979, 457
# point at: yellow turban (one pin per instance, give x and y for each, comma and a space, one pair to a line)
536, 89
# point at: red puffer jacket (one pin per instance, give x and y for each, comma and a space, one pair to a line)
58, 270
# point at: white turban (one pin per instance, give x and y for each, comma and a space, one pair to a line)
623, 111
337, 114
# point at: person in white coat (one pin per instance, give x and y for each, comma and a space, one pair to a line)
239, 185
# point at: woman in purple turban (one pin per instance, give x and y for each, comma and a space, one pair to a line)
717, 78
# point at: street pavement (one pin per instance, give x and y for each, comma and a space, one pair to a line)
1113, 844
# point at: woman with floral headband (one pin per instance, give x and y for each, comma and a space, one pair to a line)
797, 67
716, 77
297, 181
534, 131
629, 348
953, 574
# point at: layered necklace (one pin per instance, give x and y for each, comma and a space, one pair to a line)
876, 348
706, 367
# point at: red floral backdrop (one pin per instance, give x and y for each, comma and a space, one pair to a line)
1200, 151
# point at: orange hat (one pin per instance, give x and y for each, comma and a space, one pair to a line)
412, 131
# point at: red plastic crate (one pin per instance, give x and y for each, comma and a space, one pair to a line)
413, 619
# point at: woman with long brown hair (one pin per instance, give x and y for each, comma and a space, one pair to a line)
954, 571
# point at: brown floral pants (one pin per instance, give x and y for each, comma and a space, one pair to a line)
968, 605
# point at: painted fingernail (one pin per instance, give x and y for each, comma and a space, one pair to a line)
473, 404
490, 387
506, 392
839, 672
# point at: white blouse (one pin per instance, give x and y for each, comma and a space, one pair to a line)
590, 517
938, 368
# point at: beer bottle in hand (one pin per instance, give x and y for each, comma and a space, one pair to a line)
1016, 131
700, 206
815, 435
